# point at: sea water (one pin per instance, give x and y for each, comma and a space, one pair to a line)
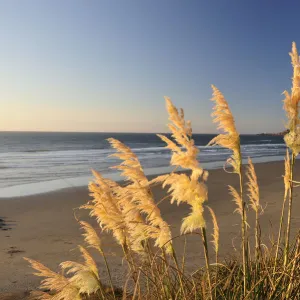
36, 162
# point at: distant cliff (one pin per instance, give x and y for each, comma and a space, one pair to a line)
282, 133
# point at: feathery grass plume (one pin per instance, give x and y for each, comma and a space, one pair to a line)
230, 139
91, 236
140, 194
253, 194
292, 138
237, 200
38, 295
195, 219
291, 105
216, 230
181, 133
189, 190
68, 293
253, 189
85, 276
53, 281
215, 242
138, 230
63, 287
105, 208
184, 188
130, 166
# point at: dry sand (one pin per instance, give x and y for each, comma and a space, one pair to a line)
43, 227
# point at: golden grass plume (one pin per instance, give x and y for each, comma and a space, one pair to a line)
85, 276
291, 105
139, 193
236, 199
230, 138
63, 287
181, 132
216, 232
53, 281
105, 208
253, 188
91, 236
184, 188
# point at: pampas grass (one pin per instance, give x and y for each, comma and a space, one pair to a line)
254, 201
141, 196
230, 139
292, 139
129, 212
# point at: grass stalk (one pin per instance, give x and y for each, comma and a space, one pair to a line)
101, 290
257, 249
205, 246
279, 234
179, 273
166, 264
244, 242
149, 256
257, 237
109, 274
296, 260
216, 280
130, 261
288, 230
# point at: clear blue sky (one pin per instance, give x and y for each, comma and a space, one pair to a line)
106, 65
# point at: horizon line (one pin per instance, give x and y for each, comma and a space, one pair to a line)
124, 132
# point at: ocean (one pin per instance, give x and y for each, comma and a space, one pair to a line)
36, 162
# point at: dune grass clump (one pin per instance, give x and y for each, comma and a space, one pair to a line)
129, 212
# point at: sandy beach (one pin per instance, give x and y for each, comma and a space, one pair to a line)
43, 227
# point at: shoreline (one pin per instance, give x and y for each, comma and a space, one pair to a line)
45, 187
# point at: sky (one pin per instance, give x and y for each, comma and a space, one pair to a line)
106, 66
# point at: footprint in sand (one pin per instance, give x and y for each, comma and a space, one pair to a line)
6, 225
14, 250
